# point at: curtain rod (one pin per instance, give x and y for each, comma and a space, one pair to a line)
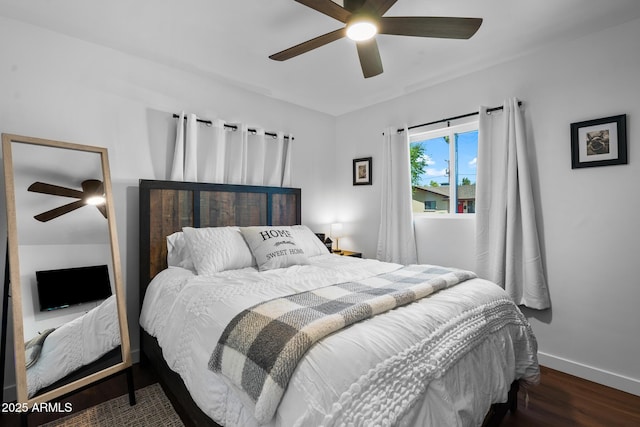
234, 127
462, 116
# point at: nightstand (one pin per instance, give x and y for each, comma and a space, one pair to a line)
351, 253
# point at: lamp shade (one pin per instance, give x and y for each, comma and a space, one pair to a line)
336, 229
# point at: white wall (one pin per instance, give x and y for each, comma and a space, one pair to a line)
57, 87
587, 217
447, 240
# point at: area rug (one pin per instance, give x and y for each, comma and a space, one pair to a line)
152, 409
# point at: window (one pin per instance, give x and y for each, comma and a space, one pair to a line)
429, 205
443, 169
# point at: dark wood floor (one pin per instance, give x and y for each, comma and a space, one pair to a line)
560, 400
564, 400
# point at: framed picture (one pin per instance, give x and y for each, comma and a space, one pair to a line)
599, 142
362, 171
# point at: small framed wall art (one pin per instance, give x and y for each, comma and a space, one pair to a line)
362, 171
599, 142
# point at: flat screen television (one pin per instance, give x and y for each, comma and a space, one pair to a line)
71, 286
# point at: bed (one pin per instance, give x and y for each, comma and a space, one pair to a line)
454, 357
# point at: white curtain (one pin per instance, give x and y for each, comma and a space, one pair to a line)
396, 238
214, 153
507, 245
184, 166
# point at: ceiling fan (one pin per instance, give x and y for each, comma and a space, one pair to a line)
363, 19
92, 194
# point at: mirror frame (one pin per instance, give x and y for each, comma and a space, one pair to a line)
14, 272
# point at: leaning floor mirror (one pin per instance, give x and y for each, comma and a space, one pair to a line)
69, 317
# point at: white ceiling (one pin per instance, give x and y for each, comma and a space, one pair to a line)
230, 40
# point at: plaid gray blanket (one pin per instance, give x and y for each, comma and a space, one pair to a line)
260, 348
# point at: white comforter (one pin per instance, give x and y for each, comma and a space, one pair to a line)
372, 373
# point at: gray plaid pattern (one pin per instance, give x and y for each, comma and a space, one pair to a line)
260, 348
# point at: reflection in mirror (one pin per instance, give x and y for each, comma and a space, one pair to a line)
64, 265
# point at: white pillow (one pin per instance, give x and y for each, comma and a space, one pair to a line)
178, 254
308, 241
216, 249
274, 247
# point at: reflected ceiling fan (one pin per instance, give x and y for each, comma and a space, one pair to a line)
363, 20
92, 194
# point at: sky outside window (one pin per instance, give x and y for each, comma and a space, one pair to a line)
437, 158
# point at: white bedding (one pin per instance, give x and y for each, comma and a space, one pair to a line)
187, 314
75, 344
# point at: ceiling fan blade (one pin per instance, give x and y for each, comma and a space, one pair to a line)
102, 209
430, 26
309, 45
54, 213
369, 58
41, 187
329, 8
378, 7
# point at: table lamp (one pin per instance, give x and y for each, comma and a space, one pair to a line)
336, 233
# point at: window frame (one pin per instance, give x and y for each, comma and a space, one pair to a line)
450, 131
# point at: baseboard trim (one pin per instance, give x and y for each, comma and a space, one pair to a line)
600, 376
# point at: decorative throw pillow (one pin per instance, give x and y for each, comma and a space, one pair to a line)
308, 241
274, 247
33, 347
216, 249
178, 254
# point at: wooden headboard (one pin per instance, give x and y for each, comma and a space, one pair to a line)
167, 206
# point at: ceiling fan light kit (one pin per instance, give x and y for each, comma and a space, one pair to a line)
95, 200
93, 192
361, 29
364, 19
